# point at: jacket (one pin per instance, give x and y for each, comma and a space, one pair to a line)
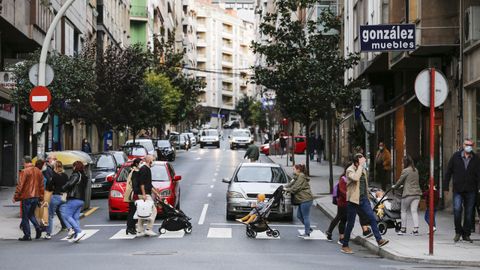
410, 181
385, 158
252, 152
342, 192
76, 185
353, 183
30, 184
300, 188
464, 180
131, 183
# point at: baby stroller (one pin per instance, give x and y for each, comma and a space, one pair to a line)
386, 209
175, 219
261, 223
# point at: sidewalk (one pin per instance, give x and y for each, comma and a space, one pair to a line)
10, 217
407, 248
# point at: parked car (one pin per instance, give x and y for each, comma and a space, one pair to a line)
209, 137
265, 149
135, 151
232, 124
165, 150
193, 139
174, 139
147, 143
300, 145
240, 138
250, 179
163, 179
120, 157
183, 141
104, 168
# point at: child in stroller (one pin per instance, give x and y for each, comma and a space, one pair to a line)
258, 207
387, 209
175, 219
260, 223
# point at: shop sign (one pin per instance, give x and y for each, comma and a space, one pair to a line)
7, 80
7, 111
387, 37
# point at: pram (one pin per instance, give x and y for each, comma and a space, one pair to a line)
175, 219
386, 209
260, 224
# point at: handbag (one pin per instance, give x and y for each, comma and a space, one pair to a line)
144, 209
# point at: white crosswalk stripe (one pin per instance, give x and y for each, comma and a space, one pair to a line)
89, 233
219, 233
169, 234
315, 235
122, 235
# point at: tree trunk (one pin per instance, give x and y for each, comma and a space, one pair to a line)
329, 138
292, 138
307, 152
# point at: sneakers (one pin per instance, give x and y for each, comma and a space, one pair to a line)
329, 236
415, 233
402, 232
382, 242
368, 233
303, 235
70, 234
25, 238
150, 233
340, 242
140, 234
48, 236
456, 238
467, 238
346, 250
78, 237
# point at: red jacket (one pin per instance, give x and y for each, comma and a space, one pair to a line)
342, 192
30, 184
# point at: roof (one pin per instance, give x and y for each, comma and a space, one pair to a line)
257, 164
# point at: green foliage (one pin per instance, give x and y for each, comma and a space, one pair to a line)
162, 99
258, 114
243, 109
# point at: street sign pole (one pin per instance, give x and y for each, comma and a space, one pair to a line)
432, 152
37, 116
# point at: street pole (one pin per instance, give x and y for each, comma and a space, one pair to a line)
41, 76
432, 152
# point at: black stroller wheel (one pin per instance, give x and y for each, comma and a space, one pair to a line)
251, 233
276, 233
188, 230
382, 227
269, 233
162, 230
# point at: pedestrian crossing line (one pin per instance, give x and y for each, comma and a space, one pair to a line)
203, 214
264, 236
314, 235
215, 174
89, 233
172, 234
122, 235
219, 233
212, 186
214, 180
209, 195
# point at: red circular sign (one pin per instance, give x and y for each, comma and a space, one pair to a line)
40, 98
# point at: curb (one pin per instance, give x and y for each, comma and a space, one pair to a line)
392, 255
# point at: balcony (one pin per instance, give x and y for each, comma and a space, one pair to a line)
138, 12
201, 43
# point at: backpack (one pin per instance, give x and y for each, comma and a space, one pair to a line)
335, 194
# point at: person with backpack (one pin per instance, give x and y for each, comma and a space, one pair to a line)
340, 199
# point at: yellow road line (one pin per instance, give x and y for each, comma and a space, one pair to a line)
90, 211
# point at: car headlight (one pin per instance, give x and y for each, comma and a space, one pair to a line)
116, 194
234, 194
165, 193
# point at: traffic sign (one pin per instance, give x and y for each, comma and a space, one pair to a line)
33, 75
40, 98
422, 88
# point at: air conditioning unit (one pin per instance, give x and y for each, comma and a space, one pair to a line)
472, 24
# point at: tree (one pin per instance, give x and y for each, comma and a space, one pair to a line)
243, 109
303, 63
258, 114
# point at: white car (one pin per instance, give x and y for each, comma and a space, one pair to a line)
193, 140
147, 143
209, 137
240, 138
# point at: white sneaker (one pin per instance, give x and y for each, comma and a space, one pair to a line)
79, 236
150, 233
48, 236
140, 234
70, 234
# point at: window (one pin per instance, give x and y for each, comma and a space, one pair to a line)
104, 162
260, 175
159, 174
124, 174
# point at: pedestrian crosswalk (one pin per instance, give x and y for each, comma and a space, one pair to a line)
106, 232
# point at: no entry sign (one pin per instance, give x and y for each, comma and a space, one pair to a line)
40, 98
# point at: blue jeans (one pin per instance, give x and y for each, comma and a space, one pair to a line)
28, 214
55, 204
303, 214
352, 209
463, 201
427, 216
71, 214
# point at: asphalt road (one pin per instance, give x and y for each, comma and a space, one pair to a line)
214, 243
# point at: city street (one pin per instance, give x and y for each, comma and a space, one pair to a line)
214, 243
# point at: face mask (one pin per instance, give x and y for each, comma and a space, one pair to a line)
468, 149
381, 148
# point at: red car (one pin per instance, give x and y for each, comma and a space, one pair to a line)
135, 151
163, 179
300, 145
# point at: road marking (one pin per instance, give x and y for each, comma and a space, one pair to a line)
89, 233
270, 224
193, 151
314, 235
219, 233
113, 225
122, 235
90, 211
211, 186
217, 169
204, 213
172, 234
209, 195
264, 236
198, 158
213, 180
215, 174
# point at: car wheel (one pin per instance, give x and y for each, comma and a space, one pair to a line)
112, 216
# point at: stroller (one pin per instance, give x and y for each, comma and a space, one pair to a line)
386, 209
175, 219
261, 223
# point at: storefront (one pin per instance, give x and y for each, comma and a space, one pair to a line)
7, 145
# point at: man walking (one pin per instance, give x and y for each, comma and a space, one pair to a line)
320, 147
29, 191
146, 190
48, 174
253, 153
464, 167
383, 165
311, 146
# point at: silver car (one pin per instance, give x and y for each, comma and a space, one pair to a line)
250, 179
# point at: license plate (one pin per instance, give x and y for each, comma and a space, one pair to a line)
96, 185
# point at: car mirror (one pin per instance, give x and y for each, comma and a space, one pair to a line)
110, 178
177, 178
226, 180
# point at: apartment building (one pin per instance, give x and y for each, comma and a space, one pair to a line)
244, 9
113, 24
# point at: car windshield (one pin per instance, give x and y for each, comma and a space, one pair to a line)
209, 133
145, 143
159, 173
241, 133
135, 151
261, 175
163, 144
122, 177
120, 158
104, 162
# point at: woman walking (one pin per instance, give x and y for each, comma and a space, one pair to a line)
299, 187
75, 188
131, 196
55, 184
411, 194
341, 200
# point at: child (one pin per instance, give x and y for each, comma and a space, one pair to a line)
252, 216
426, 195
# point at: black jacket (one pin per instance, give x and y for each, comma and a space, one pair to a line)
463, 180
76, 185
